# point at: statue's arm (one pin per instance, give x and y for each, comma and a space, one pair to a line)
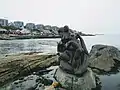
60, 47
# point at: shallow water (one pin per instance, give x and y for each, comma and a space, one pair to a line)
111, 82
28, 45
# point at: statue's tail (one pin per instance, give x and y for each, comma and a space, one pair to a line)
82, 43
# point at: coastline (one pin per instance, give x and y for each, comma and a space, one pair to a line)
31, 37
26, 37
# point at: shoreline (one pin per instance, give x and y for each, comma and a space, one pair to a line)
27, 37
31, 37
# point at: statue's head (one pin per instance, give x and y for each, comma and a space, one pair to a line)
64, 32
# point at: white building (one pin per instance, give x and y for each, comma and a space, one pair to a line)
19, 24
30, 26
47, 27
3, 22
39, 26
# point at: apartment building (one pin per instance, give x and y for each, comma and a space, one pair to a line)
19, 24
39, 26
3, 22
30, 26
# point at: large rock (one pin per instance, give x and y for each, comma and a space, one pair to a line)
104, 58
15, 66
73, 82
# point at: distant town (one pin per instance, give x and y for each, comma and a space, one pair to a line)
17, 30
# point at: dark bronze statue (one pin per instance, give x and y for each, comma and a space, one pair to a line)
73, 55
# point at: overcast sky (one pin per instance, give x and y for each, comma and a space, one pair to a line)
90, 16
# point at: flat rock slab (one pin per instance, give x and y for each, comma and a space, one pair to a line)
72, 82
14, 66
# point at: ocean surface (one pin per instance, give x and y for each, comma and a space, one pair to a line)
50, 45
111, 82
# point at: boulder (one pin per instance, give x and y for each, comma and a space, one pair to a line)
104, 58
73, 82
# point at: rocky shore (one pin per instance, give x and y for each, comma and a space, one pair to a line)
103, 59
13, 67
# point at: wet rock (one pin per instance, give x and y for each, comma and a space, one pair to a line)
28, 83
50, 75
46, 81
73, 82
104, 59
31, 82
40, 87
